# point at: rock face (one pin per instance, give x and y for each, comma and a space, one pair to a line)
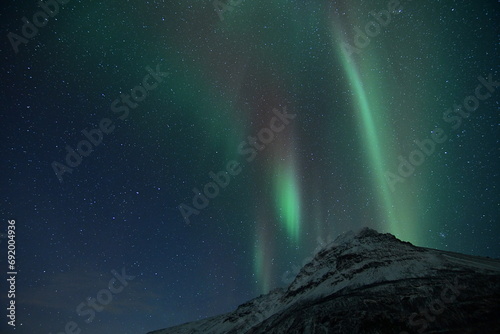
372, 283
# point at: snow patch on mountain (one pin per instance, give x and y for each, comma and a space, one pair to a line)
351, 261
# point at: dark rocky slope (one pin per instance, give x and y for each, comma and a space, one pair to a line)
372, 283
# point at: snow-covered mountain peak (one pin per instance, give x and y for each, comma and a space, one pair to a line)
355, 259
345, 282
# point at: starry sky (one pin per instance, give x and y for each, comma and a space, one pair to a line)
233, 139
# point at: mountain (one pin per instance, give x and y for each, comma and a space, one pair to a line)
369, 282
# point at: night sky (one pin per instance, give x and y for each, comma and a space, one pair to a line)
293, 121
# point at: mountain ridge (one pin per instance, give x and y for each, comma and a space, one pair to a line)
347, 286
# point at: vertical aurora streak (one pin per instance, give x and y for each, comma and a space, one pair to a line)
262, 269
264, 251
287, 200
370, 108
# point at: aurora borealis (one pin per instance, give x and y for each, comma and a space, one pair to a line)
271, 125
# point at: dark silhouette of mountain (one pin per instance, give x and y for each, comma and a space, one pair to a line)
371, 282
